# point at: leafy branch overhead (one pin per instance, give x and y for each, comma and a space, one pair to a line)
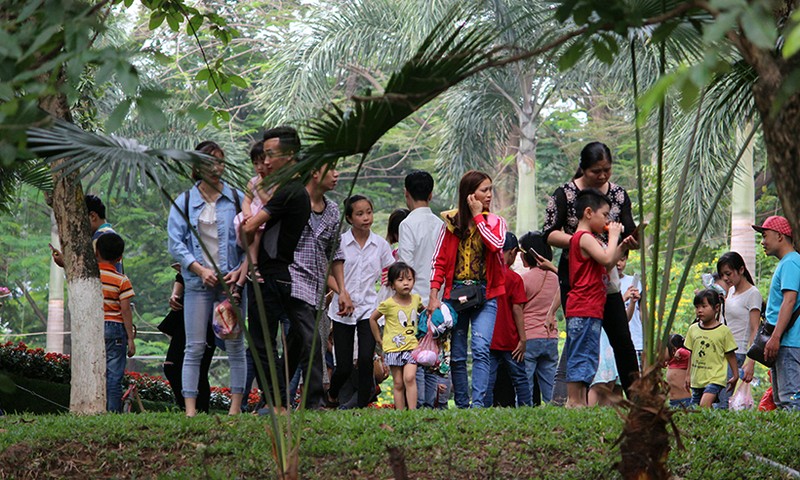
46, 46
446, 57
752, 28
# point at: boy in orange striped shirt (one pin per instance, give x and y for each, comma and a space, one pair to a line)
117, 295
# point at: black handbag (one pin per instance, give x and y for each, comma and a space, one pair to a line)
756, 351
464, 296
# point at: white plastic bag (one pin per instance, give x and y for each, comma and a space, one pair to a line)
742, 398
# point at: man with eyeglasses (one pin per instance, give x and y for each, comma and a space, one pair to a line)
285, 217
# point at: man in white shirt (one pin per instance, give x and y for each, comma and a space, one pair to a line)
416, 245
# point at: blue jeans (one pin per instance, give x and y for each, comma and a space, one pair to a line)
198, 309
786, 379
682, 403
427, 388
583, 351
541, 358
519, 378
482, 321
116, 359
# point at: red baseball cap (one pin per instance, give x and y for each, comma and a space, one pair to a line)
775, 223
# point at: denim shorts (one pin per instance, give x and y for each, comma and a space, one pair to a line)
681, 403
712, 388
583, 351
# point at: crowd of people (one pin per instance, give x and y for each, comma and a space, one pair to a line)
435, 283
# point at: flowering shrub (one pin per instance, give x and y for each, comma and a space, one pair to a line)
34, 362
385, 397
54, 367
221, 398
150, 387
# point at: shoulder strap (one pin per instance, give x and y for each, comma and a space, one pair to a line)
236, 201
544, 280
186, 203
793, 319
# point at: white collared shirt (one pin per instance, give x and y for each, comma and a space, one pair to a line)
362, 271
418, 235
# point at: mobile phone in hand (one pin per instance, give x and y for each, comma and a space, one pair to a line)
535, 256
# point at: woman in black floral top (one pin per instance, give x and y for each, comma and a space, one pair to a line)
560, 222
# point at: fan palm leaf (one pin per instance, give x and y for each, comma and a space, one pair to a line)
35, 174
447, 56
129, 164
311, 68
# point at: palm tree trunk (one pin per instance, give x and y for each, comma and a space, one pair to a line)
743, 209
780, 113
88, 366
783, 148
55, 298
527, 208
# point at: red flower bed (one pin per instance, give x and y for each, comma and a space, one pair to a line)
150, 387
34, 362
55, 367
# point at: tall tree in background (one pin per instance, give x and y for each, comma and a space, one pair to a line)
47, 48
55, 297
743, 205
493, 116
498, 113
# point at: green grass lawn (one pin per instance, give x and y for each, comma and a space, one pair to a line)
546, 442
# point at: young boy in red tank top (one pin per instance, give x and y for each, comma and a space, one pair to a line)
589, 263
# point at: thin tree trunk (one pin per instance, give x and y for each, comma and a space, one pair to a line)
55, 297
527, 207
36, 310
743, 209
88, 367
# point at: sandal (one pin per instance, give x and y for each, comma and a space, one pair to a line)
258, 277
236, 294
328, 401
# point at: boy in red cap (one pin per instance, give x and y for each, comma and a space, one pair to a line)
782, 303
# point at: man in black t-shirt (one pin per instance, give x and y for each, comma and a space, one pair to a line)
284, 216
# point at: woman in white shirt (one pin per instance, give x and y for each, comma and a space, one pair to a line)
208, 208
743, 306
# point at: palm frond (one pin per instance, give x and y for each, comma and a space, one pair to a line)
35, 174
130, 164
478, 121
313, 68
446, 57
730, 107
